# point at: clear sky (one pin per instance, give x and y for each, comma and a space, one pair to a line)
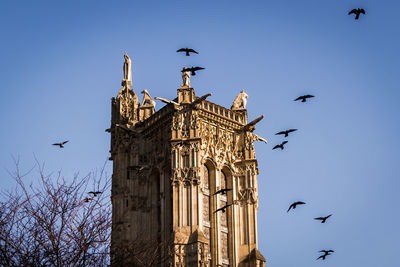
61, 62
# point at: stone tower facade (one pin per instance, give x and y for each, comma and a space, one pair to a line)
168, 167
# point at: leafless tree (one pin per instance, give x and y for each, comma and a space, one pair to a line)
49, 223
56, 221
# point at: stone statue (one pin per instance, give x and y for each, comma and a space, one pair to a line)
186, 78
240, 101
147, 99
127, 69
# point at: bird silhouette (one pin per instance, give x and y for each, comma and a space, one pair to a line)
280, 146
223, 209
87, 199
286, 133
187, 51
223, 191
192, 70
303, 98
323, 219
95, 193
61, 145
323, 256
357, 11
293, 205
327, 252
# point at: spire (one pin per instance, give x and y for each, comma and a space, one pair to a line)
126, 104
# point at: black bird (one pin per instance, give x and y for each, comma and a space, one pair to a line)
61, 145
323, 219
303, 98
280, 146
323, 256
192, 70
87, 199
223, 191
357, 11
327, 252
95, 193
293, 205
223, 209
187, 51
286, 133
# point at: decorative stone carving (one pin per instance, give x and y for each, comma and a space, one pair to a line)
127, 70
185, 78
128, 102
147, 99
240, 101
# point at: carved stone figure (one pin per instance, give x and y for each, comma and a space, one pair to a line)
186, 78
127, 68
240, 101
147, 99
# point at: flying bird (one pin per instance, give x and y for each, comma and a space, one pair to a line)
87, 199
223, 209
323, 256
323, 219
293, 205
192, 70
280, 146
327, 252
286, 133
61, 145
303, 98
187, 51
95, 193
223, 191
357, 11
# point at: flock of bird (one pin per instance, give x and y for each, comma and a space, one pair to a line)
304, 98
293, 206
285, 133
223, 191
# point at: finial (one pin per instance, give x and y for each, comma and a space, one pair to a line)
127, 80
185, 77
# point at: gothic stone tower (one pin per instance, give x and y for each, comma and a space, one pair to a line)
167, 167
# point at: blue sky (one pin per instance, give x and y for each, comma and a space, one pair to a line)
61, 62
